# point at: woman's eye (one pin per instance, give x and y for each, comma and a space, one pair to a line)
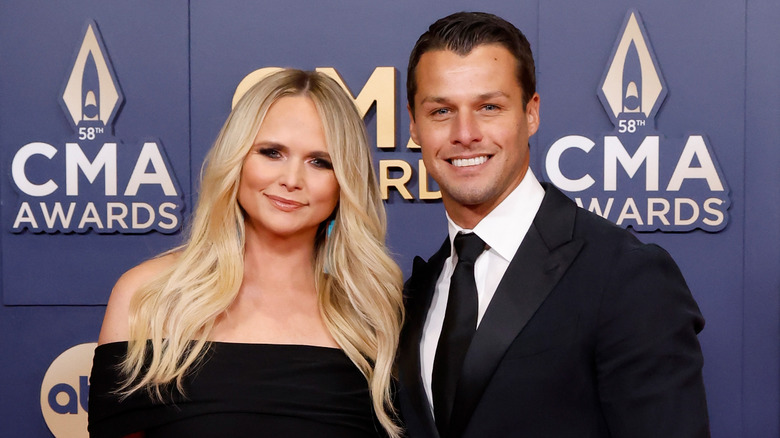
322, 163
270, 153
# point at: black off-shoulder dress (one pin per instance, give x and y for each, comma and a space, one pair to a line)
241, 390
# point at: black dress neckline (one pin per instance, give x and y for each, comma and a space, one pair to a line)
241, 390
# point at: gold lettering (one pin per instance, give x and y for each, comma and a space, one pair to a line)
385, 182
379, 88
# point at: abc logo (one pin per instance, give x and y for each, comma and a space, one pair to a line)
65, 391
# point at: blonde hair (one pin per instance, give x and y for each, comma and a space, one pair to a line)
359, 300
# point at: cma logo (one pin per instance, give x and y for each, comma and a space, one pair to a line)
91, 93
65, 392
632, 89
94, 181
635, 176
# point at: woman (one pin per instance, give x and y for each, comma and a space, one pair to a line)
282, 304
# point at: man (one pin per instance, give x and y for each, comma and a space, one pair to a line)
552, 322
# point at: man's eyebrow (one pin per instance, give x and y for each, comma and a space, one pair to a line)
434, 99
492, 95
483, 96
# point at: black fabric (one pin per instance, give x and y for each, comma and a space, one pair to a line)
590, 333
460, 323
240, 390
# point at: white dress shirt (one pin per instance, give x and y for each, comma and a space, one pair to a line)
503, 230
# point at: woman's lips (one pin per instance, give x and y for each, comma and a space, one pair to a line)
284, 204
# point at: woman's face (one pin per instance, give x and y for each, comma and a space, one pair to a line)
287, 185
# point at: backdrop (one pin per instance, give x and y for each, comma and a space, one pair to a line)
660, 115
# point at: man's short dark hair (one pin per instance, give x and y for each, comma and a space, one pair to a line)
461, 32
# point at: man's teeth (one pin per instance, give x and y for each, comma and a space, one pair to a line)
463, 162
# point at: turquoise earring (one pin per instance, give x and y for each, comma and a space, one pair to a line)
329, 231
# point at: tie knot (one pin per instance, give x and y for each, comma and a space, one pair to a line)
468, 247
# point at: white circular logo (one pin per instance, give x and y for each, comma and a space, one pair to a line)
65, 392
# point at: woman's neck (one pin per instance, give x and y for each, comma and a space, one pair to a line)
279, 263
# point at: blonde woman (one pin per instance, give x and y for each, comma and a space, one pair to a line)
280, 314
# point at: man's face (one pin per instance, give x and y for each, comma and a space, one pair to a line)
470, 121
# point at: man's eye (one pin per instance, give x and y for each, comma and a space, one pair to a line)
491, 107
441, 111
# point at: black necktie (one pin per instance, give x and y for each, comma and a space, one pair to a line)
460, 323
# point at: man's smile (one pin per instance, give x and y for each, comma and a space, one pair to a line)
466, 162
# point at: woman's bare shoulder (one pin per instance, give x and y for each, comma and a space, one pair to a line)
115, 322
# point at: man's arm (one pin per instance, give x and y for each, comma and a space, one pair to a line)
648, 358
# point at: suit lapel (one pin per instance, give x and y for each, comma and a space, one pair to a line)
544, 256
418, 295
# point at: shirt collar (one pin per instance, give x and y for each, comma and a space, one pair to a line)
503, 228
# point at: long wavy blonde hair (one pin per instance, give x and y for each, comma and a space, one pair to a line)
359, 300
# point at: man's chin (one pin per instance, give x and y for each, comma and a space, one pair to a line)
470, 197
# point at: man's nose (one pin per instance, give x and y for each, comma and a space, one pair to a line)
466, 129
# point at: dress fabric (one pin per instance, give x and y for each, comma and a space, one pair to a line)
240, 390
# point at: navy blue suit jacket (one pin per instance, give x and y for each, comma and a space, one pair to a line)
591, 333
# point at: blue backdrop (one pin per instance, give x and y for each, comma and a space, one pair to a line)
177, 66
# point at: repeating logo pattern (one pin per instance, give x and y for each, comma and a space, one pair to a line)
94, 181
637, 177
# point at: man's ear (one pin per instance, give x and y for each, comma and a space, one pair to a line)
412, 125
532, 114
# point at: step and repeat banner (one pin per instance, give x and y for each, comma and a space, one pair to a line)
650, 117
